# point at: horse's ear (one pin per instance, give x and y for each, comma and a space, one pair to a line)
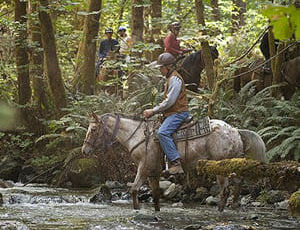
93, 115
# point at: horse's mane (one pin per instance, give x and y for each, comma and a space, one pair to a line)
135, 117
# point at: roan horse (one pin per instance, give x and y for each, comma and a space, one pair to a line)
222, 142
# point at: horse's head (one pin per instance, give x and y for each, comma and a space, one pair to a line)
93, 136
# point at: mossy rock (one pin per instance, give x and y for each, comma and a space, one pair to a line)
294, 204
84, 173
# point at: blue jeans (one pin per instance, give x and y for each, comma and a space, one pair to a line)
167, 128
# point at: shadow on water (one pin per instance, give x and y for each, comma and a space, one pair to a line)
41, 207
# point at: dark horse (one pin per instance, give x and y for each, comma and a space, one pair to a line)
192, 67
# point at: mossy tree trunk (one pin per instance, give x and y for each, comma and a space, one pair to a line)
156, 15
22, 59
137, 24
86, 65
52, 67
208, 61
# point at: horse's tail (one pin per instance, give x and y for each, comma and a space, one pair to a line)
254, 146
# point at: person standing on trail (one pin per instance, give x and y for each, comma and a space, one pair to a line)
107, 46
125, 43
174, 108
171, 43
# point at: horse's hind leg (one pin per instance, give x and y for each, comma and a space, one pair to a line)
224, 191
154, 184
237, 183
138, 181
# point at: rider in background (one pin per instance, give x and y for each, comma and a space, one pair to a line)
174, 108
125, 43
107, 46
171, 43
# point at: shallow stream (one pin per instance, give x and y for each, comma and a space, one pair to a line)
40, 207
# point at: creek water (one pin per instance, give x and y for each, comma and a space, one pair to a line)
40, 207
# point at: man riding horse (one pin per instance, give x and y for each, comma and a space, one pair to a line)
174, 108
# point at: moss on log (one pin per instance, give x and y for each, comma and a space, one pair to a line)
285, 172
294, 204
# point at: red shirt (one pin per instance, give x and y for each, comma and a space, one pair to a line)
172, 45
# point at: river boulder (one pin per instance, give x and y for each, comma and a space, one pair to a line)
294, 204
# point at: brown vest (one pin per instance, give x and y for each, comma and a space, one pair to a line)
181, 104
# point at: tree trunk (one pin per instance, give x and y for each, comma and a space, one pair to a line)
277, 78
272, 51
137, 20
22, 60
216, 10
52, 67
39, 89
123, 4
238, 14
91, 28
156, 15
208, 61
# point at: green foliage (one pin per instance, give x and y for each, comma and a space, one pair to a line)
285, 20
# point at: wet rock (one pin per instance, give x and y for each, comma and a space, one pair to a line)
10, 167
272, 196
164, 185
193, 227
253, 216
256, 204
12, 225
282, 205
84, 173
214, 190
145, 196
177, 205
173, 191
116, 195
211, 200
125, 196
102, 196
246, 200
145, 218
5, 184
201, 194
114, 184
1, 199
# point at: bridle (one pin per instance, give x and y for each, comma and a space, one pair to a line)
106, 140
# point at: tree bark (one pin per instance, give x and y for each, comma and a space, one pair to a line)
156, 15
22, 60
137, 20
123, 4
91, 28
208, 61
38, 84
277, 78
216, 10
52, 66
238, 18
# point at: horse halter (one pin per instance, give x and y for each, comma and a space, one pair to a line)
106, 140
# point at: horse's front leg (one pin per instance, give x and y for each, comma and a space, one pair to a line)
138, 181
237, 184
154, 184
224, 191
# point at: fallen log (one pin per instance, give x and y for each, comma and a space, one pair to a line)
284, 173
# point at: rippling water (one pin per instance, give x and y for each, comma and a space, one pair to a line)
41, 207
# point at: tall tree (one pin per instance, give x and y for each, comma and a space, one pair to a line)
90, 33
22, 60
238, 18
137, 26
36, 71
156, 15
52, 67
216, 10
208, 61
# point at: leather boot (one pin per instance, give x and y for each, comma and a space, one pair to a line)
176, 167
